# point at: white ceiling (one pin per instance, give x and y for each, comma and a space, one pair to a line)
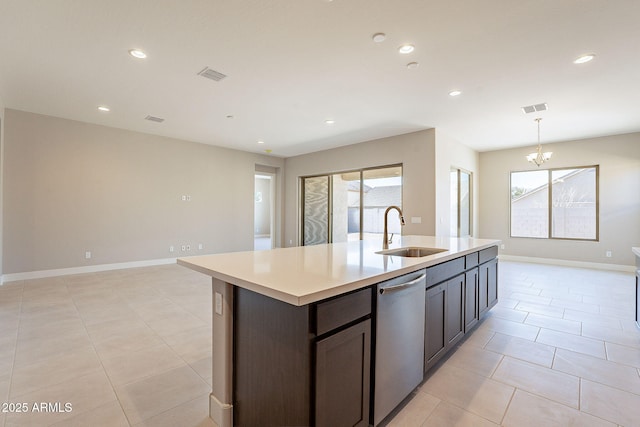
291, 64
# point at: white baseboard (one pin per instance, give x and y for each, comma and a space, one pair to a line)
12, 277
569, 263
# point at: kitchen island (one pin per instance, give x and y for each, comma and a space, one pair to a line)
296, 330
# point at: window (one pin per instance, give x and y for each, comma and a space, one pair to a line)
555, 203
460, 203
350, 205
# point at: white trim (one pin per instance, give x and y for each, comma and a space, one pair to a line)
86, 269
569, 263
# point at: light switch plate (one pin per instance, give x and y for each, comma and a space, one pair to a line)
416, 220
219, 303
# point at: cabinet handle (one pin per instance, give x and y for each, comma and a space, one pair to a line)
401, 286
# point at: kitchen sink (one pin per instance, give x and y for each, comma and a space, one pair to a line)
412, 252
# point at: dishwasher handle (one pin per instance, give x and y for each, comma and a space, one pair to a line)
401, 286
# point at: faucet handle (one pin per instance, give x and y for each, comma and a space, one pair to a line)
390, 239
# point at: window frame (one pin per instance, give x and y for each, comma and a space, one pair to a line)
550, 204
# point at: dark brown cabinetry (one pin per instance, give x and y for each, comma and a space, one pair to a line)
471, 309
444, 318
458, 293
307, 365
488, 286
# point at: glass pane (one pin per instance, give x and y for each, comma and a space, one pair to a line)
573, 200
316, 210
530, 204
381, 188
465, 204
346, 207
453, 196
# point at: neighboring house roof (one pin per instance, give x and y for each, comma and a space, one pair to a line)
355, 186
383, 196
544, 186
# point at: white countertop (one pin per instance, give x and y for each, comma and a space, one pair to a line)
306, 274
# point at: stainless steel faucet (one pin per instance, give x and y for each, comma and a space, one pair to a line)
385, 236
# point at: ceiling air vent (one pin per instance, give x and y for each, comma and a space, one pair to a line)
534, 108
154, 119
211, 74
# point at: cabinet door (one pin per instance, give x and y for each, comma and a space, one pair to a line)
435, 321
455, 309
488, 288
471, 314
343, 362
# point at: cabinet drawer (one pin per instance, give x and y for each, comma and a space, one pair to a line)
333, 313
471, 260
441, 272
488, 254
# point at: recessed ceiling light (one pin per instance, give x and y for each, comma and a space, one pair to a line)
260, 142
406, 48
329, 121
412, 65
230, 116
379, 37
584, 58
454, 93
137, 53
104, 108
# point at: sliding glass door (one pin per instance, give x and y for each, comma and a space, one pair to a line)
350, 205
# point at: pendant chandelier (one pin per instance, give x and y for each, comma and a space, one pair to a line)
538, 157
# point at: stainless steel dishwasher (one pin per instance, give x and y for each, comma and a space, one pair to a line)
399, 356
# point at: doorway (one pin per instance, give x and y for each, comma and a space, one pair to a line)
263, 212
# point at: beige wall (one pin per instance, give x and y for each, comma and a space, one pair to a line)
416, 151
72, 187
1, 180
452, 154
619, 160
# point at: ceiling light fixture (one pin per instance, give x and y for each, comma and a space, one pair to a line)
379, 37
329, 121
137, 53
584, 58
406, 48
412, 65
104, 108
455, 93
260, 142
538, 157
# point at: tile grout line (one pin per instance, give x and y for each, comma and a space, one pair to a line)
99, 359
15, 350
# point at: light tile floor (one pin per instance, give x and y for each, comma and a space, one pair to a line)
561, 348
133, 348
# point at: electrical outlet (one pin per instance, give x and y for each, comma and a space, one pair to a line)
171, 248
184, 198
87, 255
502, 246
184, 248
609, 254
200, 247
188, 247
188, 198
